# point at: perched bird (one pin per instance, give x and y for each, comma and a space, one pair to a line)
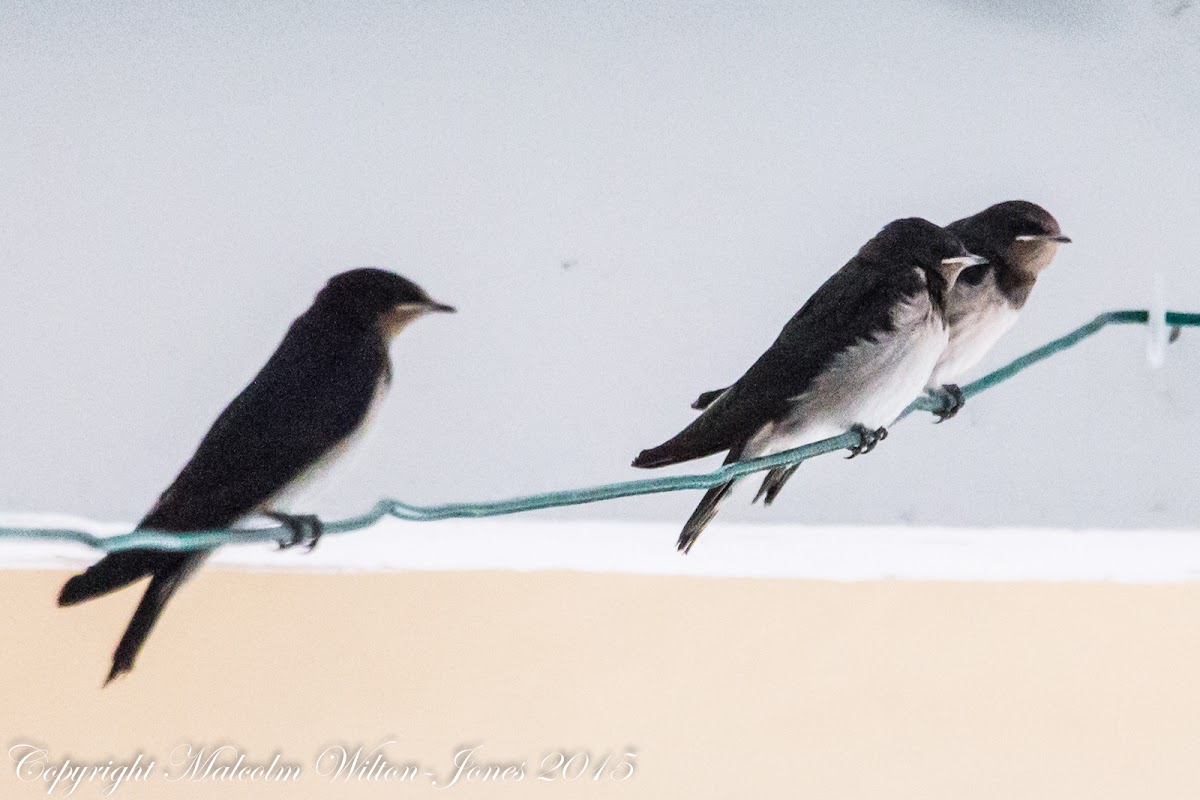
852, 358
1019, 240
296, 418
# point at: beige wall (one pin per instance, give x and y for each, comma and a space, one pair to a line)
724, 688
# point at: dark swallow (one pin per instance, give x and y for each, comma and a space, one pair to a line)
852, 358
296, 418
1019, 240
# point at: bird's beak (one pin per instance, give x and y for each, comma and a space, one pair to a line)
1044, 237
962, 262
442, 307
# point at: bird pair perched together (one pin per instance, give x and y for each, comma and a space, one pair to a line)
915, 307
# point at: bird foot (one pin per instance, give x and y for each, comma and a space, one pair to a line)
951, 397
867, 439
306, 529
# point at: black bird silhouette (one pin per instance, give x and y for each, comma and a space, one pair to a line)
293, 421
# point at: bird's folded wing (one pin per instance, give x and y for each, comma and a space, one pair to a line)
855, 303
305, 401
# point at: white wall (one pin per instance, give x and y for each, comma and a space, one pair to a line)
177, 184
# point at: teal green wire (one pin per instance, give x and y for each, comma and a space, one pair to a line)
569, 497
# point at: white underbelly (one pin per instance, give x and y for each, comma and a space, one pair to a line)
971, 337
301, 495
868, 384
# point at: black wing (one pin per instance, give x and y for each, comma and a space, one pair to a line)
856, 302
313, 392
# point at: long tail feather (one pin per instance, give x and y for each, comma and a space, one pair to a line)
167, 579
773, 484
703, 515
114, 571
707, 509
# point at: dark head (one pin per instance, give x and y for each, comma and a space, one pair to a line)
378, 297
1016, 234
917, 242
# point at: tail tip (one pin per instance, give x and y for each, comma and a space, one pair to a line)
706, 399
70, 594
647, 459
117, 671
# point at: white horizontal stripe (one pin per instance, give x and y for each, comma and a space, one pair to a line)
729, 550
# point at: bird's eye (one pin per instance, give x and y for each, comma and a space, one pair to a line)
973, 276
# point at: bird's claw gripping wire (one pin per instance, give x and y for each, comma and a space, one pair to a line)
306, 529
173, 541
950, 395
867, 439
